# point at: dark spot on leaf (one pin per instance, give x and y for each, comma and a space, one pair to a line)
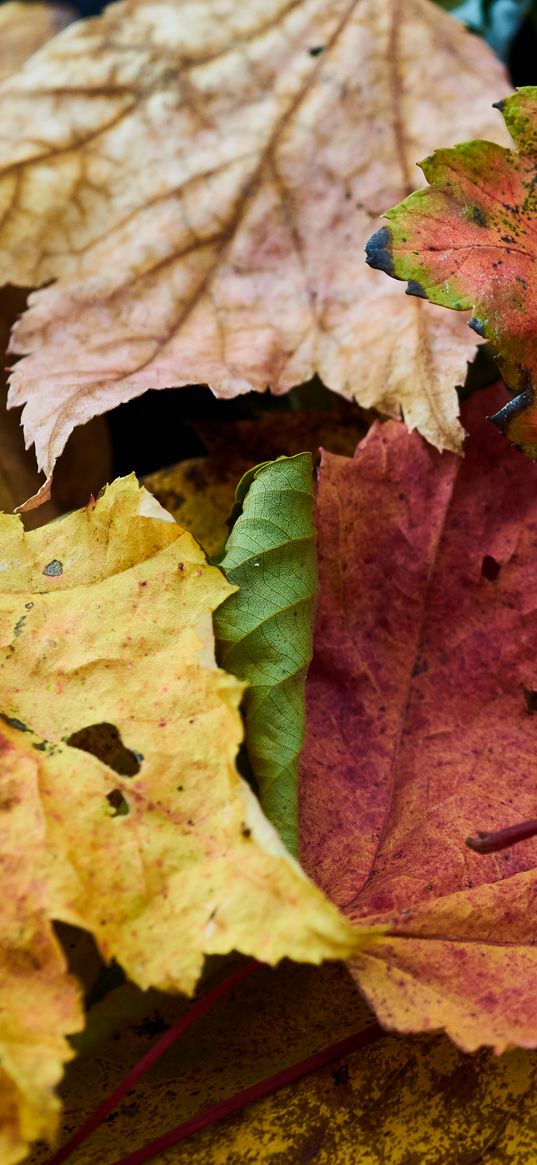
180, 788
477, 325
28, 606
181, 566
341, 1075
104, 742
8, 802
415, 288
118, 803
14, 723
476, 214
154, 1025
378, 251
316, 50
19, 625
490, 568
531, 699
246, 832
40, 746
421, 665
54, 568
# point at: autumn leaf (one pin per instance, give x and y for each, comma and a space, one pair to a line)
371, 1107
24, 28
279, 1017
200, 492
84, 464
264, 631
418, 727
123, 813
201, 188
468, 242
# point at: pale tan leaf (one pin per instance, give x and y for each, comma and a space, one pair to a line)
24, 28
202, 184
85, 464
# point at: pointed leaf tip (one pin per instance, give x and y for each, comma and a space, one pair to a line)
378, 251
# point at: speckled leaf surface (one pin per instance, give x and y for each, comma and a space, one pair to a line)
264, 631
470, 242
202, 187
122, 810
418, 727
397, 1101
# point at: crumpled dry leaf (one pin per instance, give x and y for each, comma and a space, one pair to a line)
123, 812
418, 728
24, 28
202, 186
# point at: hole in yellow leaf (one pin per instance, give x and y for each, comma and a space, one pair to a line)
104, 742
118, 802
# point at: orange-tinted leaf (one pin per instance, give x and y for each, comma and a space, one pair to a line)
469, 242
418, 728
122, 810
24, 28
201, 187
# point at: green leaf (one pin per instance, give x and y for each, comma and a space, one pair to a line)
264, 631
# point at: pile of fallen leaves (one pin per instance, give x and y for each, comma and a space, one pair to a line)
277, 700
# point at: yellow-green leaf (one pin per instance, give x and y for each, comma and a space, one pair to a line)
123, 812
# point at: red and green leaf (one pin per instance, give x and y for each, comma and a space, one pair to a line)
469, 241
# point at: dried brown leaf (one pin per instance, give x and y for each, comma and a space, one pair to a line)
201, 187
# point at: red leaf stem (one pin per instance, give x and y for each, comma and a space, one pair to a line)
240, 1100
106, 1107
490, 843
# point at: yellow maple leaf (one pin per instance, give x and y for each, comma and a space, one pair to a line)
121, 810
201, 187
